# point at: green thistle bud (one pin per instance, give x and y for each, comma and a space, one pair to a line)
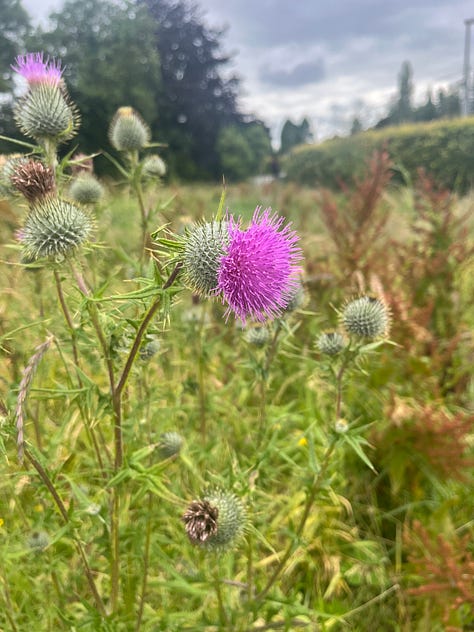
38, 541
53, 228
366, 317
86, 189
46, 112
258, 336
216, 522
153, 167
331, 343
170, 444
296, 299
203, 249
33, 179
128, 131
149, 349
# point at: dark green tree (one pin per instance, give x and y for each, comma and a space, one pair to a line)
356, 126
292, 135
196, 101
110, 57
15, 26
427, 111
244, 150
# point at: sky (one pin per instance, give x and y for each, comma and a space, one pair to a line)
330, 60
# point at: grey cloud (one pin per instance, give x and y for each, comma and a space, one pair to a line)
300, 75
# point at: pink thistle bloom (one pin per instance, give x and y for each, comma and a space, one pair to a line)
36, 70
258, 269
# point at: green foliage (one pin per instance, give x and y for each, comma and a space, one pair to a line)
442, 148
293, 135
15, 27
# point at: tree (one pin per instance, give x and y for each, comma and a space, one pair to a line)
196, 101
110, 57
15, 27
292, 135
356, 126
243, 149
404, 109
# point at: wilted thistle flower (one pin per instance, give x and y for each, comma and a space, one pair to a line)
258, 336
33, 179
366, 317
258, 269
153, 167
38, 71
203, 250
330, 342
128, 131
216, 521
53, 228
86, 189
170, 444
9, 165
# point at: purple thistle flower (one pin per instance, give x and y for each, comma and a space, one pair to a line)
258, 269
36, 70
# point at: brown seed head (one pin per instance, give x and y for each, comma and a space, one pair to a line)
33, 179
200, 520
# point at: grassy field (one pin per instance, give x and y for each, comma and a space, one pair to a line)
354, 471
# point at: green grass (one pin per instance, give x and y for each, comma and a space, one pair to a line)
256, 421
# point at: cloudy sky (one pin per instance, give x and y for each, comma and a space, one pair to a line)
331, 60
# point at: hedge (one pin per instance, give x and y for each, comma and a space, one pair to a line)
445, 149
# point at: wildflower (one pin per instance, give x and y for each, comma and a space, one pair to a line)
331, 343
86, 189
53, 228
303, 442
341, 426
33, 179
366, 317
258, 270
170, 444
128, 131
38, 71
216, 521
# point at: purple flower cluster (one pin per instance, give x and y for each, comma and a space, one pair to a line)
258, 269
37, 70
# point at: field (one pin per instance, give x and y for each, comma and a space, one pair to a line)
348, 476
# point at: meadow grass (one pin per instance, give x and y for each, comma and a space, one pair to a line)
386, 541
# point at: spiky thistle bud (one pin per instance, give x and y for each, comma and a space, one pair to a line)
296, 299
366, 317
47, 113
38, 541
53, 228
86, 189
33, 179
170, 444
216, 521
154, 167
203, 250
330, 343
257, 336
128, 131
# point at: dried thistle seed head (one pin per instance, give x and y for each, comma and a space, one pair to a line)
153, 167
257, 336
47, 113
366, 317
86, 189
128, 131
200, 521
217, 521
53, 228
203, 250
331, 343
9, 164
170, 444
33, 179
38, 541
